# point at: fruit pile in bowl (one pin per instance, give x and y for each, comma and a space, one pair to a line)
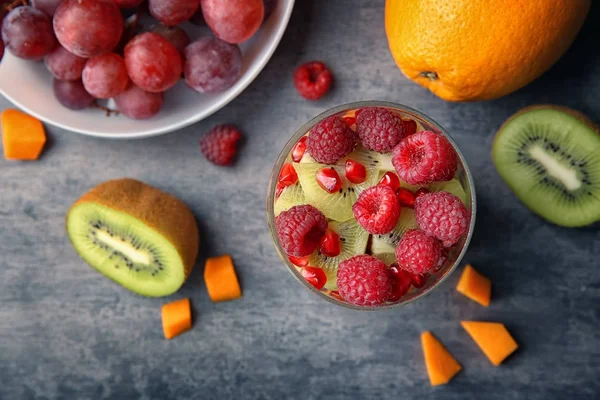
371, 205
168, 62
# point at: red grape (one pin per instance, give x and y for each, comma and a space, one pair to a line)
64, 65
88, 28
139, 104
173, 34
72, 94
173, 12
211, 65
47, 6
233, 21
27, 33
105, 76
128, 3
152, 62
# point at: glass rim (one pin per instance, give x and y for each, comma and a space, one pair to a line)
281, 159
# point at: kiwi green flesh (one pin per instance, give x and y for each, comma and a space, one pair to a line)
353, 241
125, 250
370, 159
336, 206
551, 160
290, 196
384, 246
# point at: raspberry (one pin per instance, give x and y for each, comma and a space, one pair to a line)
423, 158
300, 230
418, 252
377, 209
443, 216
219, 144
379, 129
363, 280
330, 140
312, 80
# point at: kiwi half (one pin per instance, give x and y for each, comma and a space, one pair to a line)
138, 236
336, 206
550, 158
353, 240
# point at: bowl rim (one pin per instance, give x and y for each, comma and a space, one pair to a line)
282, 158
241, 85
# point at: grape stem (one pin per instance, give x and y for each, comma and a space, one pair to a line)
108, 111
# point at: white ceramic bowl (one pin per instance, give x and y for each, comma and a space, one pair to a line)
29, 85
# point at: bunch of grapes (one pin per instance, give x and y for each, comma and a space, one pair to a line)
93, 52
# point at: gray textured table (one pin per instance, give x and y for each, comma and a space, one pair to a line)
66, 332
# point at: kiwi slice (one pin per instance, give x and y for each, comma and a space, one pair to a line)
370, 159
384, 246
550, 158
336, 206
138, 236
353, 240
291, 196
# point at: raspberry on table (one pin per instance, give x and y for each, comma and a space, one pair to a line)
424, 157
300, 230
443, 216
363, 280
377, 209
312, 80
379, 129
418, 252
330, 140
219, 145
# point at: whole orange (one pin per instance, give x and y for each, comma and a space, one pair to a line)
466, 50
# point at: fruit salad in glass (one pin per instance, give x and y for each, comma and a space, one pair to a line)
371, 205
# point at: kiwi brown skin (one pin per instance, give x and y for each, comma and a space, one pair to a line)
574, 113
159, 210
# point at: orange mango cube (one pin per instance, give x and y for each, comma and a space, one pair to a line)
221, 279
492, 338
23, 136
475, 286
441, 366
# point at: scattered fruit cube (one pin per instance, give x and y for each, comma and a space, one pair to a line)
176, 318
475, 286
221, 279
23, 136
492, 338
441, 366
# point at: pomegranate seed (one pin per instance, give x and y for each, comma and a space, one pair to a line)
350, 121
329, 179
299, 149
315, 276
401, 281
419, 280
421, 191
278, 190
299, 261
406, 197
355, 171
330, 244
390, 179
410, 127
288, 175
